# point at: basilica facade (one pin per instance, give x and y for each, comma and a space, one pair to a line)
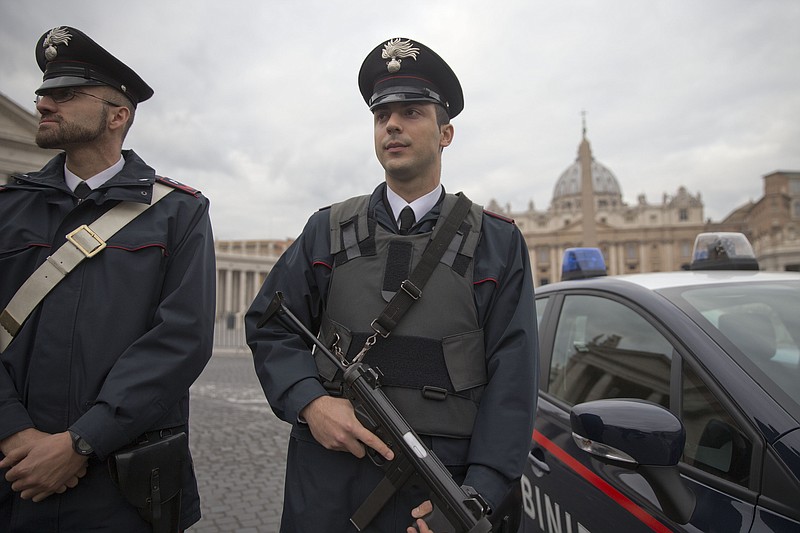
587, 210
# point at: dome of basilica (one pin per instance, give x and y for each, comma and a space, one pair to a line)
569, 184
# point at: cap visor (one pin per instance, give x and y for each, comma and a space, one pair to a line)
402, 97
66, 81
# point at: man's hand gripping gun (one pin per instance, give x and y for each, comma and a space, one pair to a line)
455, 509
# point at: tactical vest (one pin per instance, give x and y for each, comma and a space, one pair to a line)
433, 362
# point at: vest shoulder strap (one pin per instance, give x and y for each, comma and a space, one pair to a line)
439, 245
471, 227
349, 225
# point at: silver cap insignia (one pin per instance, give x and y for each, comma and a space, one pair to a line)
56, 36
395, 51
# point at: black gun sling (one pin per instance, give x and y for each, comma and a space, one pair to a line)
411, 289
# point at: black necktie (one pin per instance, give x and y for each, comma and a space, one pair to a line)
407, 219
82, 190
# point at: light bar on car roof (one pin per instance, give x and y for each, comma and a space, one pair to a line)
582, 263
723, 251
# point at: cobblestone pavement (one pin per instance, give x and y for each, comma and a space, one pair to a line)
239, 449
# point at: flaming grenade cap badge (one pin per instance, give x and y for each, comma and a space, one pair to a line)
395, 51
56, 36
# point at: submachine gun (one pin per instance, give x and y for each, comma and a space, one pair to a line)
456, 509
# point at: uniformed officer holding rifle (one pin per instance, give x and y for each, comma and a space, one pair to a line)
457, 346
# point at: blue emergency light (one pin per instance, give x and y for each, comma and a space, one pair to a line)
582, 263
723, 251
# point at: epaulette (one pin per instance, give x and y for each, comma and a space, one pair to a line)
499, 217
12, 179
177, 185
324, 208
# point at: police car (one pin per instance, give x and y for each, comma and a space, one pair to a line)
668, 401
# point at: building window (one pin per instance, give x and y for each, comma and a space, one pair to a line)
236, 281
631, 251
222, 288
542, 255
250, 285
686, 248
683, 215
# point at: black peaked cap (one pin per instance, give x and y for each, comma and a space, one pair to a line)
69, 58
404, 70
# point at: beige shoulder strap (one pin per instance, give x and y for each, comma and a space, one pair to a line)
83, 243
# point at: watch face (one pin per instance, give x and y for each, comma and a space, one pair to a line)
80, 445
83, 446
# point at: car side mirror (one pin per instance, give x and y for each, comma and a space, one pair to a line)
643, 437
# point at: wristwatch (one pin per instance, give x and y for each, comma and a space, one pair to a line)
80, 445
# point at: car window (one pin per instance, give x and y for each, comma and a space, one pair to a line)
762, 321
714, 442
604, 349
541, 305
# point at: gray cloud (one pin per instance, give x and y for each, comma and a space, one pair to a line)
256, 102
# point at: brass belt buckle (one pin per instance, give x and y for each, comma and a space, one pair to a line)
74, 236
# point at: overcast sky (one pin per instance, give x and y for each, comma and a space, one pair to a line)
256, 102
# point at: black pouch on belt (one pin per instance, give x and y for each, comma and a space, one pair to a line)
149, 475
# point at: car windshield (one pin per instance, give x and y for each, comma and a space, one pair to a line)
762, 320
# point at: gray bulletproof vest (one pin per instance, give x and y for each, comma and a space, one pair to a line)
433, 362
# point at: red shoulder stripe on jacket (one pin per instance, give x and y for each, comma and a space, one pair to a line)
499, 217
177, 185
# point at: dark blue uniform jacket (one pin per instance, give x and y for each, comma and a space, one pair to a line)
112, 350
496, 454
